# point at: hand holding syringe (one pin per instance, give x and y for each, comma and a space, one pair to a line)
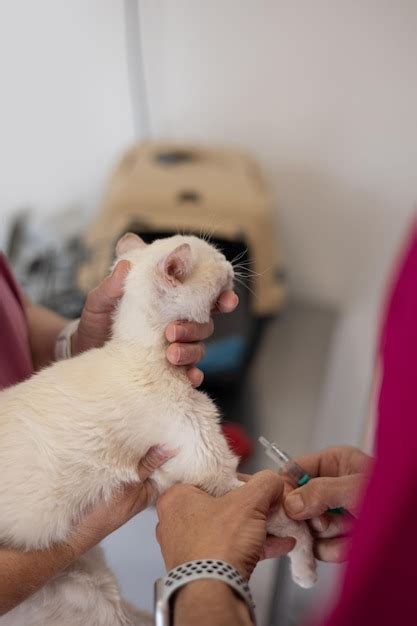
289, 468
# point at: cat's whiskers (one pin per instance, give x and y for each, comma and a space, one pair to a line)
246, 286
239, 256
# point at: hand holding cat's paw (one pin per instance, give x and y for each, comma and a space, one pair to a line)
194, 525
186, 338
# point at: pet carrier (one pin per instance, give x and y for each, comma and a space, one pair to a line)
160, 189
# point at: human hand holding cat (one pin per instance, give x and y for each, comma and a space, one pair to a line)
22, 573
185, 337
107, 517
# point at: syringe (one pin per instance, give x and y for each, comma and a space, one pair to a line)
287, 466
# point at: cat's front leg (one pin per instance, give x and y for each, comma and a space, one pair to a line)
303, 563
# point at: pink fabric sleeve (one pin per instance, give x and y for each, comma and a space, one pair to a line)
15, 357
379, 585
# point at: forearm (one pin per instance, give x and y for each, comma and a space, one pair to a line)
23, 573
43, 327
209, 603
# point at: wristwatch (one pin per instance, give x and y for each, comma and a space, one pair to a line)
213, 569
63, 341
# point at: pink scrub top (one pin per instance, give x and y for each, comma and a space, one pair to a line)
380, 584
15, 357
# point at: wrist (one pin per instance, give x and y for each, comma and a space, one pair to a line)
199, 594
212, 552
64, 346
83, 539
234, 603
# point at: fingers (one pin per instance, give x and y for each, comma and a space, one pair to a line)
195, 376
335, 461
320, 524
185, 353
329, 526
186, 338
277, 546
183, 331
125, 502
103, 298
188, 331
175, 496
227, 302
321, 494
154, 458
323, 463
262, 491
331, 550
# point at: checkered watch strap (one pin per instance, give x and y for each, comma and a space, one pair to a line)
207, 569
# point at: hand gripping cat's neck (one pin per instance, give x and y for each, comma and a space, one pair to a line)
178, 278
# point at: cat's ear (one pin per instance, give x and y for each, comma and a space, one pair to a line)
130, 241
176, 266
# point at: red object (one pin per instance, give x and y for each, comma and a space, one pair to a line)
238, 440
15, 358
380, 581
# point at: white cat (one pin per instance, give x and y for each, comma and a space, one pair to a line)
74, 432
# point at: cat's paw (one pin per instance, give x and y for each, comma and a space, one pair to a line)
305, 576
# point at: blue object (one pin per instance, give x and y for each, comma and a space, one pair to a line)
223, 355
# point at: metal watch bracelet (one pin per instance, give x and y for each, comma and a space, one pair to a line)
212, 569
62, 348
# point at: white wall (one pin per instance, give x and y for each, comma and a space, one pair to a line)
65, 112
324, 93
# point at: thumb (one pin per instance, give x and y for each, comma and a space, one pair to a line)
262, 491
95, 323
154, 459
104, 297
321, 494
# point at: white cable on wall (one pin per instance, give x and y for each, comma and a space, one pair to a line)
136, 70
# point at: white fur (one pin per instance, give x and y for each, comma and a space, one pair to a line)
74, 432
